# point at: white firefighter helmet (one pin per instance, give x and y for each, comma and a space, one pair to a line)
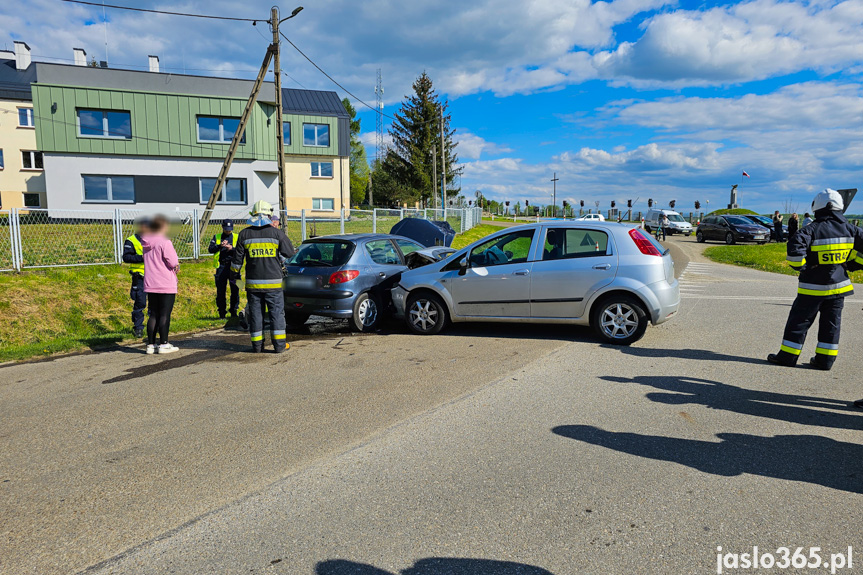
828, 199
262, 208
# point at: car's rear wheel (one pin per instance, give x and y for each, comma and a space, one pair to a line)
699, 237
620, 320
729, 239
425, 314
367, 313
296, 320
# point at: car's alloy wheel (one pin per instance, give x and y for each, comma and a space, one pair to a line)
699, 237
620, 320
366, 313
425, 314
729, 239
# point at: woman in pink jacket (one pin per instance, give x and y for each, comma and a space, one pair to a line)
160, 283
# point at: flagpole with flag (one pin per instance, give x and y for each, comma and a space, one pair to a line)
743, 175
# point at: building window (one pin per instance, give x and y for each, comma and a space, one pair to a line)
323, 204
218, 129
31, 160
322, 169
233, 191
2, 164
317, 135
25, 118
32, 200
286, 132
105, 124
119, 189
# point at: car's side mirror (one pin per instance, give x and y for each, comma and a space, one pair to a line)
463, 264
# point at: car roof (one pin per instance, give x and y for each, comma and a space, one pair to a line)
356, 237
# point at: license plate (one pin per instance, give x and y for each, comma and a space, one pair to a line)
759, 237
301, 282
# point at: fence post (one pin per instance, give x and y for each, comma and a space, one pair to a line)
15, 237
303, 224
342, 222
196, 234
374, 220
401, 214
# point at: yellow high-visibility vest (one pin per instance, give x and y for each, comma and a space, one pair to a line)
234, 238
139, 249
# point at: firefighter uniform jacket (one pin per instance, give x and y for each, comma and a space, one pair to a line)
263, 249
823, 251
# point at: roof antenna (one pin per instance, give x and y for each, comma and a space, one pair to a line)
105, 21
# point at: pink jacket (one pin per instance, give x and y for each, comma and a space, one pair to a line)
160, 264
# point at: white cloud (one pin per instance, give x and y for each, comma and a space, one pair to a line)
471, 146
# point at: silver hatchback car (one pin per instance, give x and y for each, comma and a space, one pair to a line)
611, 276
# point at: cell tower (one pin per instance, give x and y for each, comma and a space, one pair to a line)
379, 126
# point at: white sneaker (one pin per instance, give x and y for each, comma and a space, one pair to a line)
151, 349
167, 348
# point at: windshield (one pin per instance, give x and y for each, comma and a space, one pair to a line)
763, 220
325, 253
738, 220
675, 218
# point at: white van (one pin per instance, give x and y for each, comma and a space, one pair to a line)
676, 223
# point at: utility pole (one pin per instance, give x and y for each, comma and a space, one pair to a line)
434, 175
442, 163
554, 181
280, 125
371, 199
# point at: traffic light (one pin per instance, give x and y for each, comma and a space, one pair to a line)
565, 204
526, 203
650, 203
697, 205
507, 203
671, 204
581, 203
628, 203
470, 202
613, 203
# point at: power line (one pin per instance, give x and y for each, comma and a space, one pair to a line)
209, 16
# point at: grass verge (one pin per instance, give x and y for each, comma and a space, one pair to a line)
768, 258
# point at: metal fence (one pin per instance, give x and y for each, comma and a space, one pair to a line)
55, 238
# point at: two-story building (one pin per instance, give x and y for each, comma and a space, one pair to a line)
155, 141
22, 178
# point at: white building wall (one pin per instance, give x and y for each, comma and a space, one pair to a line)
65, 186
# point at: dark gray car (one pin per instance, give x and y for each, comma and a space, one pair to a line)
350, 276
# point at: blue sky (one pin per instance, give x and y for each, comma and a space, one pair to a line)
623, 99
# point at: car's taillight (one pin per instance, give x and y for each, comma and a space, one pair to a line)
343, 276
645, 246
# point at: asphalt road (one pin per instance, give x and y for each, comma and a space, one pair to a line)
534, 451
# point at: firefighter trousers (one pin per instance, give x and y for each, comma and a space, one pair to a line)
273, 303
800, 319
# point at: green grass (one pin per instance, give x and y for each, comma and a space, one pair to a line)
768, 258
53, 310
733, 212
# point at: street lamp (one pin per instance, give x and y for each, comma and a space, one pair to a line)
296, 11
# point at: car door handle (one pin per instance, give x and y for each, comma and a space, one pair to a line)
382, 274
521, 272
602, 267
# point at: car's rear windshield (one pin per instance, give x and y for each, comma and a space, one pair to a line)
675, 218
762, 219
738, 220
323, 253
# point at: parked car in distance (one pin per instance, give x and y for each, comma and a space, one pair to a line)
349, 276
676, 223
591, 218
731, 230
767, 222
613, 277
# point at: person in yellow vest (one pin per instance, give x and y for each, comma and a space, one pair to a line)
133, 254
222, 248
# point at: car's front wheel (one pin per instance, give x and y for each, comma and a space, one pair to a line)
425, 314
699, 237
620, 320
367, 313
729, 239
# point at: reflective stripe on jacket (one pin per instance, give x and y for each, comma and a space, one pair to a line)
823, 251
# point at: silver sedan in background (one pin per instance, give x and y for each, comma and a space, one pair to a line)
613, 277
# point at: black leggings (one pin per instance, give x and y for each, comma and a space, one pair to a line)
161, 305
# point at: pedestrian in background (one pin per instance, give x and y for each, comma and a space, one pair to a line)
275, 221
793, 225
160, 283
222, 248
133, 254
777, 226
663, 227
807, 219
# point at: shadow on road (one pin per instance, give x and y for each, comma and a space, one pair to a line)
807, 458
801, 409
700, 354
433, 566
